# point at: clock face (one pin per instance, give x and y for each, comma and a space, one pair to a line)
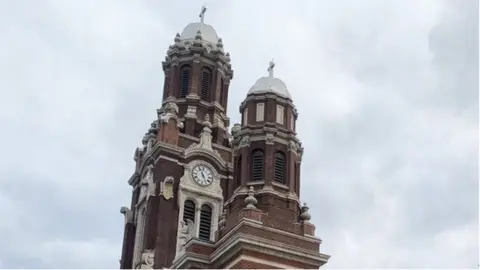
202, 175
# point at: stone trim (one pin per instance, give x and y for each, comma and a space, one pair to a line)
259, 261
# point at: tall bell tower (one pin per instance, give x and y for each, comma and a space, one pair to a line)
204, 197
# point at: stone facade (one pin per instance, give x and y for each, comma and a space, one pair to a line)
249, 214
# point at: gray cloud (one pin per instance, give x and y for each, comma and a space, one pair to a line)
387, 93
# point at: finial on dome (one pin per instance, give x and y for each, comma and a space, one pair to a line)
270, 68
202, 14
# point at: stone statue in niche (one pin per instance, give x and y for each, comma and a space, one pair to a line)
186, 232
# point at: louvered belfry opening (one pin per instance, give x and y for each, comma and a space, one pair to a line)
205, 222
206, 82
257, 165
279, 172
184, 81
189, 211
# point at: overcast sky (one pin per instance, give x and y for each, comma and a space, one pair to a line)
387, 94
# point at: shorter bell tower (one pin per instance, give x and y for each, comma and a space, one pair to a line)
263, 224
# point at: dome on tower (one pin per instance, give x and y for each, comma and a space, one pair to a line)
270, 84
208, 33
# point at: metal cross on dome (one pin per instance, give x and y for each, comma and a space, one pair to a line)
202, 14
270, 68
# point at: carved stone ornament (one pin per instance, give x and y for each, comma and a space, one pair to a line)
138, 153
205, 137
147, 188
191, 112
236, 129
250, 200
269, 138
218, 121
222, 221
151, 136
169, 111
187, 231
300, 153
292, 146
244, 142
127, 213
166, 187
148, 259
305, 215
196, 58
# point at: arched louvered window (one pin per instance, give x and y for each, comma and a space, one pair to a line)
205, 222
238, 172
184, 81
257, 165
279, 170
206, 82
189, 211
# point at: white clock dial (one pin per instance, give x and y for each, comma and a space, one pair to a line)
202, 175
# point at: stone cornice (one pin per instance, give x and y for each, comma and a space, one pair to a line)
265, 97
234, 241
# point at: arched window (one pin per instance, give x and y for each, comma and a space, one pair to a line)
257, 165
279, 171
206, 82
205, 222
184, 81
189, 211
238, 172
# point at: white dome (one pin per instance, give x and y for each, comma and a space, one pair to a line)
270, 85
208, 33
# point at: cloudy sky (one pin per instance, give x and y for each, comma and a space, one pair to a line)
387, 93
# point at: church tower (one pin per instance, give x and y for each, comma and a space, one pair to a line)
204, 197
